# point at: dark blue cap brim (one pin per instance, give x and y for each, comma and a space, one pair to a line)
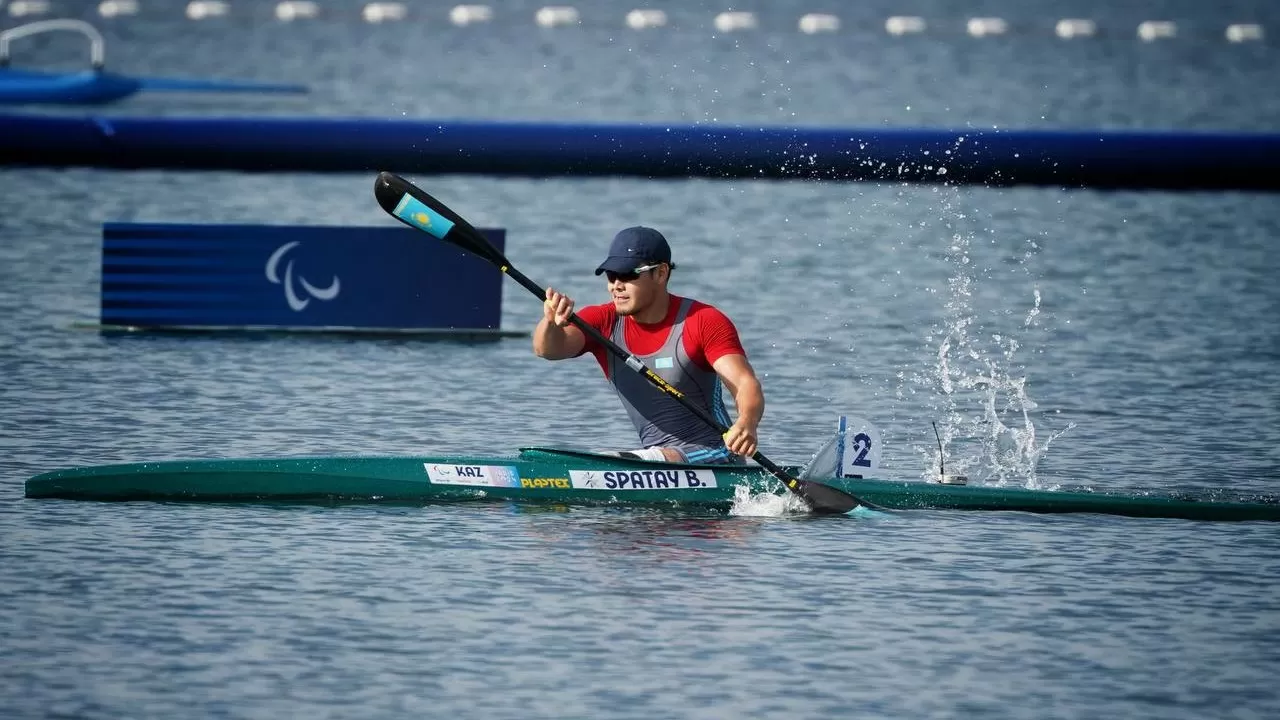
618, 265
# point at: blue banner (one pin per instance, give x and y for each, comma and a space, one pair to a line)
308, 277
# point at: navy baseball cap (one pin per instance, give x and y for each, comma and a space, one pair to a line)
635, 247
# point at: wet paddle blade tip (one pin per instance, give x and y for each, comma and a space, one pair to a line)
827, 500
389, 189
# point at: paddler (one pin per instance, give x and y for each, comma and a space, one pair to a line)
691, 344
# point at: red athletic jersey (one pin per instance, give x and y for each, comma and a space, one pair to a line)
708, 333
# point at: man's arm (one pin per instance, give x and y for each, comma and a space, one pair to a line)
555, 338
738, 375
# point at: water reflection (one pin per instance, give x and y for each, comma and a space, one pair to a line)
658, 535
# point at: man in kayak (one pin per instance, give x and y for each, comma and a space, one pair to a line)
692, 345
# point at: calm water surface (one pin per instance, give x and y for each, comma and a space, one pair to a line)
1119, 341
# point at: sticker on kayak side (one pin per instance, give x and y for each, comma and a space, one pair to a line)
545, 483
642, 479
478, 475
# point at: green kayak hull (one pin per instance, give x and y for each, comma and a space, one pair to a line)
553, 475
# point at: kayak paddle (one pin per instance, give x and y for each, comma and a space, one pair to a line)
415, 208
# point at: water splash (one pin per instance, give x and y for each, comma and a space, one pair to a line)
765, 504
985, 409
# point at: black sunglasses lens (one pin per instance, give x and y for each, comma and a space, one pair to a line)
624, 277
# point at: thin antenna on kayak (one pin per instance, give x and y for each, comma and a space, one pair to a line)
943, 477
942, 462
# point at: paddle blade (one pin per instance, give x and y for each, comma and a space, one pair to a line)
412, 206
825, 499
822, 498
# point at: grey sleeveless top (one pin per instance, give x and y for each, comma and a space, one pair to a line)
659, 418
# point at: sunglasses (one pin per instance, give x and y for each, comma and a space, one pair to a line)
632, 276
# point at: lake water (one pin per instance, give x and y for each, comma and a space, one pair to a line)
1119, 341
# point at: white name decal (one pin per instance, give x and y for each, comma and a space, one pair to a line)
479, 475
679, 479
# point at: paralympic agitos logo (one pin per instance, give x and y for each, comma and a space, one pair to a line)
297, 302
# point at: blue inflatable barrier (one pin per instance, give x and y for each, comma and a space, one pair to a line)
1095, 158
256, 277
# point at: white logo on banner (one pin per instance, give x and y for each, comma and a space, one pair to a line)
295, 302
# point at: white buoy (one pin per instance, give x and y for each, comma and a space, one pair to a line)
380, 12
201, 9
1150, 30
1068, 28
734, 21
557, 16
642, 19
984, 26
296, 10
1244, 32
904, 25
463, 15
24, 8
814, 23
117, 8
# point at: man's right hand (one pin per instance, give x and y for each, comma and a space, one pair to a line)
557, 308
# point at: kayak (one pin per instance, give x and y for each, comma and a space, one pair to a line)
566, 476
